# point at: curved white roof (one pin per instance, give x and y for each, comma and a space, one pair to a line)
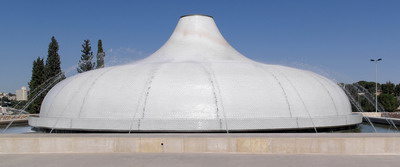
195, 82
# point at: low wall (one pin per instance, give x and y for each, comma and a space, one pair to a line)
382, 114
391, 114
353, 144
372, 114
15, 117
16, 122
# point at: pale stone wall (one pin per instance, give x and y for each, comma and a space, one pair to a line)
375, 144
15, 117
372, 114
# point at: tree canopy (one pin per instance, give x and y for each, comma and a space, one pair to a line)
397, 90
388, 101
53, 62
100, 55
86, 64
35, 85
387, 98
44, 76
370, 86
388, 88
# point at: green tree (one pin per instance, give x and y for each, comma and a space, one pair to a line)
45, 76
388, 88
85, 64
370, 86
36, 84
397, 90
366, 105
388, 101
100, 55
53, 63
5, 101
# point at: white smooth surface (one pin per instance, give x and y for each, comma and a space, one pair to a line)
196, 81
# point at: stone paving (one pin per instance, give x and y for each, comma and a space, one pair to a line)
195, 160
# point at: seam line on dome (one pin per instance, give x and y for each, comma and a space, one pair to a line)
342, 89
301, 99
62, 112
217, 95
144, 95
329, 93
283, 90
88, 91
55, 97
214, 94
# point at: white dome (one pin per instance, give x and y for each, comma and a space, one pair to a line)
195, 82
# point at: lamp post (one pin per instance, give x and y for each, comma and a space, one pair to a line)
376, 82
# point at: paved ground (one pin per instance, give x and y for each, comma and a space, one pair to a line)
197, 160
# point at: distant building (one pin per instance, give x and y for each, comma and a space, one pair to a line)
3, 110
22, 94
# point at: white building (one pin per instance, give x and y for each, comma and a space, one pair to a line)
3, 110
195, 82
22, 94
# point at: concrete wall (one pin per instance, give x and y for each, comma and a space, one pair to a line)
352, 144
372, 114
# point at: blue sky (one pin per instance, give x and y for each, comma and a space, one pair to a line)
335, 38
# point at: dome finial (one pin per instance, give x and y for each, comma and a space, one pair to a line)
196, 15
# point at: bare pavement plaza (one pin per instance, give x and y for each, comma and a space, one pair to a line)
196, 160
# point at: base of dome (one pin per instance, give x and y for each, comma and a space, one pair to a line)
185, 125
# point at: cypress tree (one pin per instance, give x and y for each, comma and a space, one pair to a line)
85, 64
44, 76
53, 63
35, 85
100, 55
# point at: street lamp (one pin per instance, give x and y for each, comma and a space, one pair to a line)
376, 82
